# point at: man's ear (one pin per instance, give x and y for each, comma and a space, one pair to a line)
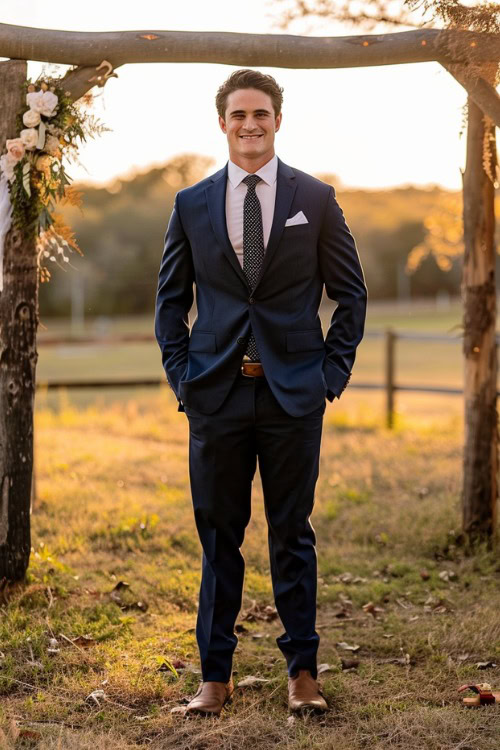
278, 122
222, 125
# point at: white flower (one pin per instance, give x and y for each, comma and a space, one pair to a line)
43, 102
7, 163
15, 148
29, 137
52, 145
34, 100
31, 118
49, 103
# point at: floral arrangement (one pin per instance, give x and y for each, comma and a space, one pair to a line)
33, 166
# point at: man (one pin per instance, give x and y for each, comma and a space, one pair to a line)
260, 241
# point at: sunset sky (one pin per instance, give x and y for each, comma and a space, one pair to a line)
371, 127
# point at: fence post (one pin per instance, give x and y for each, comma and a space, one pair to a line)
390, 341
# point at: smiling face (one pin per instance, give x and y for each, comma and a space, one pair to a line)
250, 125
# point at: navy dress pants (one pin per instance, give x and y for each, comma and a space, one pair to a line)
223, 452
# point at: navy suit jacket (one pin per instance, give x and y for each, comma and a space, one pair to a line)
301, 367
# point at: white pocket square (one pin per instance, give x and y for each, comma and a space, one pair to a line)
297, 219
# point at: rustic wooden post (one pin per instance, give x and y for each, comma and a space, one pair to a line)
18, 357
480, 458
390, 341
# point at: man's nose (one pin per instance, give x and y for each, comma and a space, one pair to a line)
250, 124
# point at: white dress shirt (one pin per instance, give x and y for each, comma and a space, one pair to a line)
235, 196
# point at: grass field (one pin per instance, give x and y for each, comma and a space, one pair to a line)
87, 662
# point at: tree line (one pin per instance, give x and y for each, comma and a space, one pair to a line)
120, 230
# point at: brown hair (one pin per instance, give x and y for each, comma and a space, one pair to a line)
249, 79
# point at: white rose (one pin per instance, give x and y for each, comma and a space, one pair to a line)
34, 100
52, 145
43, 102
48, 103
31, 118
7, 163
15, 148
29, 137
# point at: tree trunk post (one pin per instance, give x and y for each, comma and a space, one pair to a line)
480, 458
18, 357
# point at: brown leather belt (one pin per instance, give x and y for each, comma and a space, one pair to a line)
252, 370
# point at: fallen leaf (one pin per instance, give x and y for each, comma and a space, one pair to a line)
116, 596
324, 668
83, 641
447, 575
372, 609
405, 660
437, 606
29, 734
96, 695
347, 647
349, 664
178, 664
251, 681
260, 612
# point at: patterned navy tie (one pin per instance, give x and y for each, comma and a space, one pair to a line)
253, 246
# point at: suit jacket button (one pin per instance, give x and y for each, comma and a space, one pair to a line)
241, 341
251, 300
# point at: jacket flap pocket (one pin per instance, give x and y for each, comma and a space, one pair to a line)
305, 341
202, 341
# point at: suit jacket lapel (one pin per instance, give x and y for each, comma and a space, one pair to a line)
285, 190
216, 201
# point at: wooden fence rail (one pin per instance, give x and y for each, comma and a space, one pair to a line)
389, 385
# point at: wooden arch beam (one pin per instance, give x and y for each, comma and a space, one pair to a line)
228, 48
88, 49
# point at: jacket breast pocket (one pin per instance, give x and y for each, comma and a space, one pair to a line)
305, 341
202, 341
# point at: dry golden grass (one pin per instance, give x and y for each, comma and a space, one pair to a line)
113, 505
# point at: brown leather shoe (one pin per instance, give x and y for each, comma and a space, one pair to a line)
304, 692
209, 698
